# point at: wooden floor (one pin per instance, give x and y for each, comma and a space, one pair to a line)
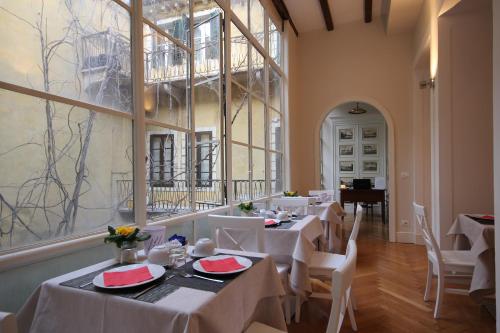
389, 288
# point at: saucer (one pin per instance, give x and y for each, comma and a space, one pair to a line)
192, 254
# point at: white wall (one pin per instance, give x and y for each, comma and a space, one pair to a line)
496, 126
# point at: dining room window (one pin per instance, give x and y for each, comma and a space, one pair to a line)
161, 159
204, 159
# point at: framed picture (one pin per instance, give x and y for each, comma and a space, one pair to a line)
346, 134
370, 166
347, 181
370, 149
369, 133
346, 166
346, 150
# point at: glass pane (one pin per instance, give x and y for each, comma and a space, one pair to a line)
257, 73
258, 173
240, 8
239, 56
240, 172
274, 43
208, 107
166, 76
276, 173
172, 16
76, 52
258, 123
168, 180
257, 20
275, 130
274, 89
239, 114
65, 170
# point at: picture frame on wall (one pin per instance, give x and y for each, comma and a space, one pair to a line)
346, 134
346, 166
346, 150
369, 133
370, 166
370, 149
347, 181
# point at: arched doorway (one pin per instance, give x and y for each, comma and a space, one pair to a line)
356, 141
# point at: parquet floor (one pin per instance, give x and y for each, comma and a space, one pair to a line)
389, 288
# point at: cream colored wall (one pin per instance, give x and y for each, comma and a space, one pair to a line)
354, 62
496, 131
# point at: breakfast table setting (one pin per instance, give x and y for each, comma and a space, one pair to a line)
477, 233
209, 290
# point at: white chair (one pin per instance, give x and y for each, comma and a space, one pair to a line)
254, 227
342, 279
318, 193
456, 266
257, 327
295, 204
8, 323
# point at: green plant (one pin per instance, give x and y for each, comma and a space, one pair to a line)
125, 234
291, 194
246, 207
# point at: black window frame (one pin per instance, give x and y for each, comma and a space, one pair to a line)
199, 181
161, 182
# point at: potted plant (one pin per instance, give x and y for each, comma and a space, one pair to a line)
246, 208
291, 193
125, 238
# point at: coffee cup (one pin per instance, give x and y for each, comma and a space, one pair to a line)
204, 247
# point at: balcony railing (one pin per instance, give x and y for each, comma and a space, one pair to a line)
174, 198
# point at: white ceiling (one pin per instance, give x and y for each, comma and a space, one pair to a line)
307, 15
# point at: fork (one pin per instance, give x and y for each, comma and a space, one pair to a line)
187, 275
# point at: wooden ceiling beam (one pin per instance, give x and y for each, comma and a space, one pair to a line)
368, 10
327, 14
284, 14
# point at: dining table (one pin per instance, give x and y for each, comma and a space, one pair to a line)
68, 303
476, 232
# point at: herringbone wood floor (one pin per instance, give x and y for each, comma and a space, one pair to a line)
389, 288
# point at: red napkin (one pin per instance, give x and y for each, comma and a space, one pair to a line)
221, 265
131, 276
488, 217
269, 222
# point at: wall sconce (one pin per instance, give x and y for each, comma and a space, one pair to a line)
427, 84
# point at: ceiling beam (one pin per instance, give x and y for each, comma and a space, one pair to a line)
284, 14
327, 14
368, 10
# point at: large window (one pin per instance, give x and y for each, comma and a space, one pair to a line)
82, 134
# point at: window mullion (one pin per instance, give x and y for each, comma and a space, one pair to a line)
192, 109
228, 78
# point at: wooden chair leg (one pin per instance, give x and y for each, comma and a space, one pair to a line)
428, 285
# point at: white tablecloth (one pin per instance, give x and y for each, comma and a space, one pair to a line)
481, 241
330, 213
254, 295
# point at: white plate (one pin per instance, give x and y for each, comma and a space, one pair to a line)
247, 263
156, 270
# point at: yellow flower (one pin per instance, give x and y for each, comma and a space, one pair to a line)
124, 231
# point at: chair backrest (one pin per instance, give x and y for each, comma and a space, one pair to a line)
341, 288
251, 230
433, 251
357, 223
8, 323
329, 193
292, 203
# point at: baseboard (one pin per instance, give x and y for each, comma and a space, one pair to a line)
409, 237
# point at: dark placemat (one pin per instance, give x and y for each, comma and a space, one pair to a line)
286, 225
481, 220
162, 288
298, 217
200, 284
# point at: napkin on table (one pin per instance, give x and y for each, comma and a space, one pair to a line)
221, 265
125, 278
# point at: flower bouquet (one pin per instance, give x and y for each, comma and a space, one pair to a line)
246, 208
291, 193
125, 236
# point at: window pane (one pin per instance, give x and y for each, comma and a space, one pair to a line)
239, 56
170, 16
257, 20
80, 53
257, 73
168, 178
275, 130
240, 8
65, 170
258, 173
274, 42
240, 172
274, 89
239, 114
276, 173
166, 76
258, 123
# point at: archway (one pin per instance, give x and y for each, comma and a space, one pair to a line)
370, 166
